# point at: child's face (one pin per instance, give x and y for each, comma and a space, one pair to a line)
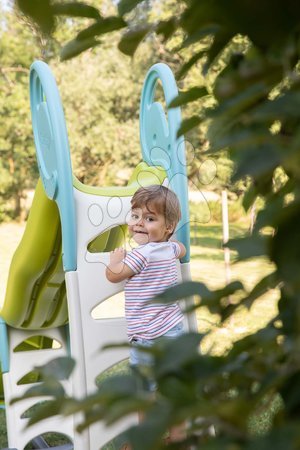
148, 226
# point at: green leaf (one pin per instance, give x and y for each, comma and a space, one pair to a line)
270, 215
284, 107
198, 15
221, 40
56, 369
285, 249
183, 290
119, 385
75, 47
75, 9
60, 368
40, 12
52, 388
166, 28
250, 246
249, 197
240, 138
119, 410
121, 344
125, 6
200, 34
148, 434
72, 406
118, 395
282, 436
175, 353
241, 101
213, 300
115, 411
189, 64
189, 124
92, 417
44, 411
208, 298
188, 96
131, 40
257, 160
270, 281
102, 26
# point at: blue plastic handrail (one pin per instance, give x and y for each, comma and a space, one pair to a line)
53, 153
160, 144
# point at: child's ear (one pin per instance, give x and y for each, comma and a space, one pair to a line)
170, 228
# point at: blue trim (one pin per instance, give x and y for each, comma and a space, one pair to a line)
159, 142
53, 153
4, 354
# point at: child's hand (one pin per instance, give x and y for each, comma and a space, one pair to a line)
117, 270
117, 255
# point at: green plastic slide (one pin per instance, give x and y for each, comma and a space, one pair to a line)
36, 293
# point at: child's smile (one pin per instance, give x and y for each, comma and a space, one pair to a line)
148, 226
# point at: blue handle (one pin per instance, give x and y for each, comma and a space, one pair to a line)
4, 358
53, 153
159, 142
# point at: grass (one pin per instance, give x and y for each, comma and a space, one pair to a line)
207, 266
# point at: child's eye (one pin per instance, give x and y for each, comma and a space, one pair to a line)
150, 219
134, 216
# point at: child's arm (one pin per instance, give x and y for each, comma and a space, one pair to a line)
182, 248
117, 270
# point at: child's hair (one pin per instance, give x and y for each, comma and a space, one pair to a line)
161, 199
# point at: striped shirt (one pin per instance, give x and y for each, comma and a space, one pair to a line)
155, 268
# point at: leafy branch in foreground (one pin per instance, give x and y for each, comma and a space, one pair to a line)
223, 391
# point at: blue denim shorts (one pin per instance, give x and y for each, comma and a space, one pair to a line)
141, 361
139, 358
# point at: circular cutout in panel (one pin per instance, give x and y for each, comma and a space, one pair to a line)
52, 439
185, 153
161, 157
111, 308
120, 368
95, 214
36, 343
114, 207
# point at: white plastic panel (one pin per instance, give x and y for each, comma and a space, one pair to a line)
21, 363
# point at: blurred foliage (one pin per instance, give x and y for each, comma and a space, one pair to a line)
246, 55
17, 156
102, 121
102, 116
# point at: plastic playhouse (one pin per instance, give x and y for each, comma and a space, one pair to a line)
57, 275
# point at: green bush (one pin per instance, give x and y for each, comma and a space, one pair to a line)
211, 211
